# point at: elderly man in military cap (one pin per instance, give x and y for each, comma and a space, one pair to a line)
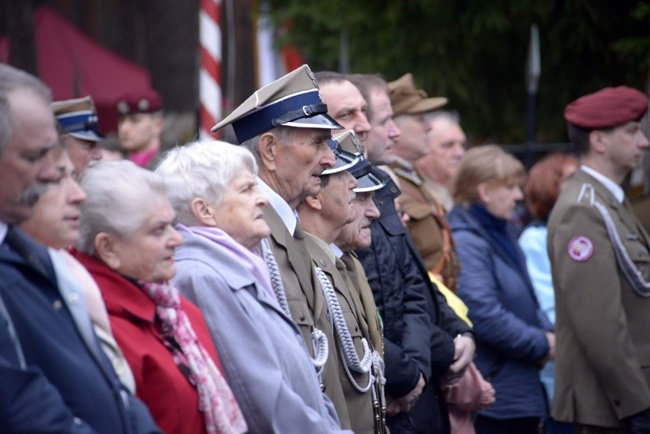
77, 120
601, 272
428, 224
140, 126
324, 216
286, 127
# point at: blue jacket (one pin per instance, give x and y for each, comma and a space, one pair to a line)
509, 325
63, 384
261, 349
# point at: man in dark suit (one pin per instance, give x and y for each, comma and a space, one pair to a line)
286, 127
600, 263
53, 376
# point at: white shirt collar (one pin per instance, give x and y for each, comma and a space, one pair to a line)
280, 206
338, 252
610, 185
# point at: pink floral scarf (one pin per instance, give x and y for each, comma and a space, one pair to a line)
216, 401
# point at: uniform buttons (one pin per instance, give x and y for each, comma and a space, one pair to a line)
57, 304
323, 263
73, 298
393, 190
302, 316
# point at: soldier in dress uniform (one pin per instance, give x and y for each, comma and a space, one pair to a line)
324, 216
601, 272
140, 126
356, 234
77, 122
286, 127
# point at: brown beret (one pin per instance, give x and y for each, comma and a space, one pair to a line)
406, 98
144, 101
607, 108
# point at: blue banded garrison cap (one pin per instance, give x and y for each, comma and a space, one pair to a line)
77, 118
291, 101
347, 149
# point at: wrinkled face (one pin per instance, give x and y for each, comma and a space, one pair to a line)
411, 144
625, 145
346, 105
447, 143
148, 253
82, 152
383, 130
240, 211
356, 235
336, 199
55, 221
300, 163
501, 200
139, 132
27, 163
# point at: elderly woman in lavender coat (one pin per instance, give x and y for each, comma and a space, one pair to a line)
219, 212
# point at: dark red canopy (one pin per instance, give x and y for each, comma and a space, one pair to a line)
74, 65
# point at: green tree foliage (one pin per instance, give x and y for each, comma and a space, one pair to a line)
474, 51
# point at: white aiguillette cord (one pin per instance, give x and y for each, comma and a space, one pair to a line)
348, 351
318, 338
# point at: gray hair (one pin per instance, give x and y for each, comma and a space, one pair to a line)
12, 79
118, 195
201, 169
450, 115
283, 135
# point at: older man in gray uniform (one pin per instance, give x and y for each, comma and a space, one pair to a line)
601, 272
286, 127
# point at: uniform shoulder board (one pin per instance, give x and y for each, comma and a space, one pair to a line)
587, 194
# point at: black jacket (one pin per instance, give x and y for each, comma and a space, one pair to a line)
419, 326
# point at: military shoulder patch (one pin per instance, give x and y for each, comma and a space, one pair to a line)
580, 248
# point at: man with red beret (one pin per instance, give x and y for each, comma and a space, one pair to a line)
140, 126
601, 272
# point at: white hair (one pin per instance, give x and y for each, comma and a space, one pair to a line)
202, 169
119, 193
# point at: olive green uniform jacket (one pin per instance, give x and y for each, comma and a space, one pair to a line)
428, 226
360, 405
602, 367
306, 302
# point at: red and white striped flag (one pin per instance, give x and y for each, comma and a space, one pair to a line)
210, 73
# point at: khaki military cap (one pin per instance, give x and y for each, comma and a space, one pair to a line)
291, 101
405, 98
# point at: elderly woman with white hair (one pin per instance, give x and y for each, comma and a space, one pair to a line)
127, 243
212, 187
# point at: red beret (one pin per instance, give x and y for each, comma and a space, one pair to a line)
145, 101
607, 108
